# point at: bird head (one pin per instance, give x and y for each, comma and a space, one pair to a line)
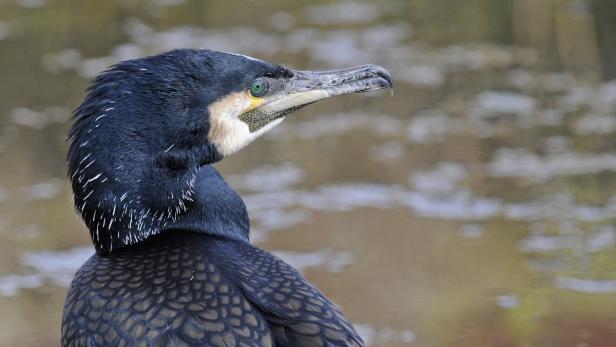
148, 127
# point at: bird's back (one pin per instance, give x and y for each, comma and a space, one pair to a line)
189, 289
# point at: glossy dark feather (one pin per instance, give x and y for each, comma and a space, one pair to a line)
188, 289
297, 311
174, 266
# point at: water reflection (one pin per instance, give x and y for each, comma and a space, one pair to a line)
474, 207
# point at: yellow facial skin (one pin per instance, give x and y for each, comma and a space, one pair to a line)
227, 131
255, 102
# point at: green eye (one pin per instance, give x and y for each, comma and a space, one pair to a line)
259, 87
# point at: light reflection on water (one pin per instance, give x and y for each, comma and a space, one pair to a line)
481, 194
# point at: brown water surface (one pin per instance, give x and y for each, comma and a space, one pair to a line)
475, 207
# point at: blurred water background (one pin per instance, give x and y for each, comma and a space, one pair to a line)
475, 207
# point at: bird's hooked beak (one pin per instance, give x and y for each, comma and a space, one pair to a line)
286, 95
241, 117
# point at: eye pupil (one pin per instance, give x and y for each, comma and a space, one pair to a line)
259, 87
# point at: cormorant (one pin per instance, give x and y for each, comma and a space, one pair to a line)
173, 263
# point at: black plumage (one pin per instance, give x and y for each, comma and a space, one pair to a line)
173, 263
186, 289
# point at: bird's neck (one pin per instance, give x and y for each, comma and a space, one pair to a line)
197, 200
216, 210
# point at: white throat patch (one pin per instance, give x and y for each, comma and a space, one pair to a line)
228, 133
